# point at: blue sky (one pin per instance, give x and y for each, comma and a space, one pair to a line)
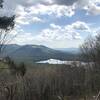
54, 23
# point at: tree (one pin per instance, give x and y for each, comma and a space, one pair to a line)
87, 49
19, 70
1, 1
22, 69
6, 25
90, 51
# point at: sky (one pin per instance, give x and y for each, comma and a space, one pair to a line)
53, 23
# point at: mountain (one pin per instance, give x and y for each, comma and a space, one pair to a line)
34, 53
9, 48
71, 50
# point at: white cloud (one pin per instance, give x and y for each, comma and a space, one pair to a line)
63, 33
10, 8
22, 38
93, 9
90, 5
36, 19
30, 39
30, 11
55, 26
95, 31
24, 17
60, 33
58, 7
22, 20
78, 25
54, 10
54, 34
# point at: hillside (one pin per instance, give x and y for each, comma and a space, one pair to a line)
9, 49
33, 53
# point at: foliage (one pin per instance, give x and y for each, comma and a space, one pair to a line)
49, 82
1, 1
7, 23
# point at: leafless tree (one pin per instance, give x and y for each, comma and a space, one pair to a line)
90, 51
6, 25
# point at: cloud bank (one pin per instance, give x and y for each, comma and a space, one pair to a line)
32, 11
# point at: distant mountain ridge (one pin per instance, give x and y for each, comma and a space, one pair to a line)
71, 50
34, 53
